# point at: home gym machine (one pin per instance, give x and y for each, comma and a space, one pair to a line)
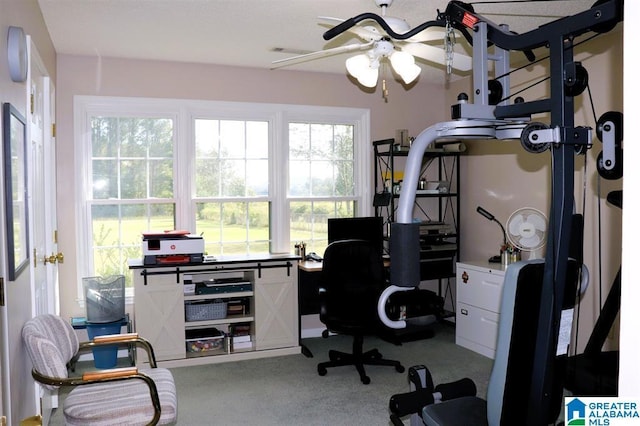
491, 116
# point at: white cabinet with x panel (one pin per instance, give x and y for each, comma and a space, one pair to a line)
224, 310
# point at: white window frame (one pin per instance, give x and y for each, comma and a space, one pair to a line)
184, 112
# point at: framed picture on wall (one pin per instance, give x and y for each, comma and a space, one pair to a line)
14, 139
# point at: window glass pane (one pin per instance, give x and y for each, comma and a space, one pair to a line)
257, 178
257, 139
160, 178
117, 234
103, 135
343, 138
321, 160
232, 158
234, 227
344, 184
299, 147
322, 179
207, 138
159, 137
233, 178
121, 158
321, 141
105, 181
232, 139
133, 179
132, 138
299, 178
209, 225
309, 221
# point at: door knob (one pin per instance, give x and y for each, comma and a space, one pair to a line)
54, 258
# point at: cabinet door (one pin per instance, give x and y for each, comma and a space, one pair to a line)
159, 315
276, 303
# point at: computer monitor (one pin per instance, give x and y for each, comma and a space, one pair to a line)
360, 228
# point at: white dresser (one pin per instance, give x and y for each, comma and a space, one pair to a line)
478, 294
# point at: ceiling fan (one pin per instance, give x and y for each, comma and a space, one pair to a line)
378, 46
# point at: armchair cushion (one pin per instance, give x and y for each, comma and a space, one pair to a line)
96, 405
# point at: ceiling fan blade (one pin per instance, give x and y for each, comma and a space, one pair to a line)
322, 53
331, 20
435, 54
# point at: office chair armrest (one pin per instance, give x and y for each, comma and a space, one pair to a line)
122, 339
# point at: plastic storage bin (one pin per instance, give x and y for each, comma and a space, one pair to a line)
209, 340
105, 356
104, 298
204, 311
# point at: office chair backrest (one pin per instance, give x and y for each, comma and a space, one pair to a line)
51, 343
353, 276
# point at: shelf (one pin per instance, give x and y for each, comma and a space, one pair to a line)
431, 194
227, 320
192, 297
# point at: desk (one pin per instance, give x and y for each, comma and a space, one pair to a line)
309, 283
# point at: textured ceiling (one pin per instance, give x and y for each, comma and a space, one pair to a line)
246, 32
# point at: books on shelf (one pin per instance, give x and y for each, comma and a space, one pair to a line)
243, 345
240, 339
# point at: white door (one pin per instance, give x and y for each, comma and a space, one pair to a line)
45, 255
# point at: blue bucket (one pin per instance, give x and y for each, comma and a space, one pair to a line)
105, 356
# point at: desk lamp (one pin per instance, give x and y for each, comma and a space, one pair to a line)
483, 212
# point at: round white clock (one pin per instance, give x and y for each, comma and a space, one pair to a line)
17, 54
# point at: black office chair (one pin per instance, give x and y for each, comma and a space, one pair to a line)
352, 280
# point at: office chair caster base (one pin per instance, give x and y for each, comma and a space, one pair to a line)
365, 380
322, 371
399, 368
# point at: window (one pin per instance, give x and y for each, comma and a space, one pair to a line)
232, 185
322, 184
131, 185
251, 178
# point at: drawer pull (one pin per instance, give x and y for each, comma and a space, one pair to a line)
464, 312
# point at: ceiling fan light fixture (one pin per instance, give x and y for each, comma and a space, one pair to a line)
404, 64
363, 69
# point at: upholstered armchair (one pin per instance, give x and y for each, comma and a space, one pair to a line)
127, 395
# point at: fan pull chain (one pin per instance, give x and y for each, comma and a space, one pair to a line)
385, 91
449, 41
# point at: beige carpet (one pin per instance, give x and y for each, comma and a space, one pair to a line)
288, 390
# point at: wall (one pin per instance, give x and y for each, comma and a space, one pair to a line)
120, 77
17, 384
502, 177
